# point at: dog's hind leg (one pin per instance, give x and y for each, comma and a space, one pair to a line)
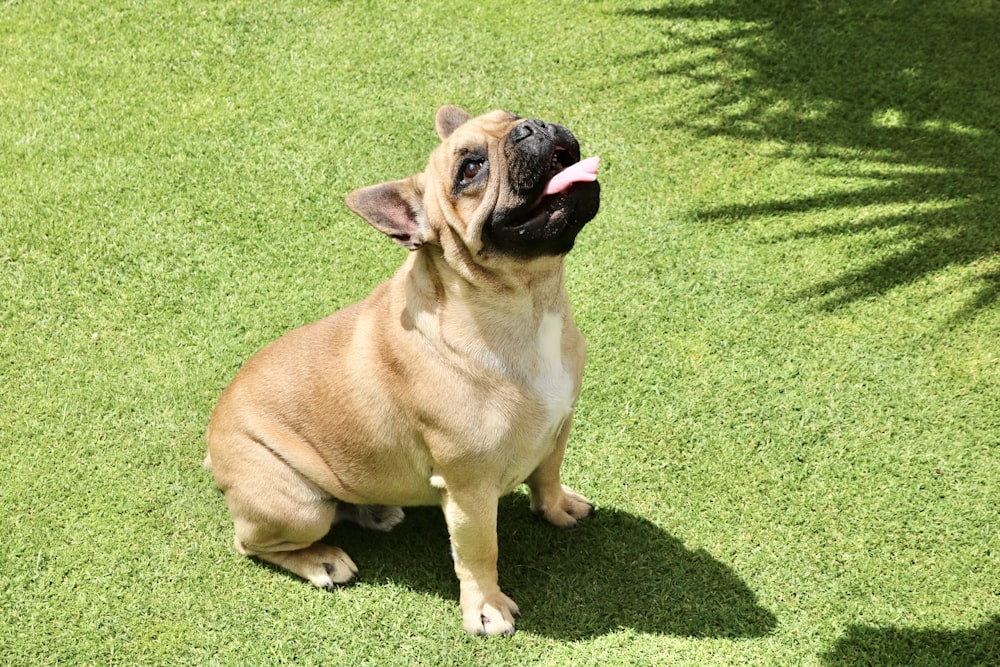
289, 538
280, 516
295, 546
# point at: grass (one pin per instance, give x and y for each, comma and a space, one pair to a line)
791, 416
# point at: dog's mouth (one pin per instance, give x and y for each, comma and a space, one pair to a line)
548, 209
552, 193
562, 158
564, 173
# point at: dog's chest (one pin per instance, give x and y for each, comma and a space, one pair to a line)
549, 396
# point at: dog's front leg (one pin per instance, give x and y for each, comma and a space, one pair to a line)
560, 505
472, 523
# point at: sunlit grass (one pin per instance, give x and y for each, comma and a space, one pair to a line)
790, 421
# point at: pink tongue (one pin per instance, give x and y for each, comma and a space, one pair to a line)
583, 171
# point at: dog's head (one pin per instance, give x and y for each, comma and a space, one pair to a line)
488, 193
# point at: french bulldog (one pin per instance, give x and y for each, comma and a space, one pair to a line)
451, 384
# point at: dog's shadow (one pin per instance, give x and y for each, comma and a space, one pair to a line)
614, 571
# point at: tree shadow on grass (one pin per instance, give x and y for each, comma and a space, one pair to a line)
613, 571
892, 647
898, 95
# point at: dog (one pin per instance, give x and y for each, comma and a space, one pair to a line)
451, 384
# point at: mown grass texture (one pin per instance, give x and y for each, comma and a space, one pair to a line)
790, 421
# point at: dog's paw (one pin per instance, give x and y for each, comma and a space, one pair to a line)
338, 570
380, 517
374, 517
489, 616
322, 565
562, 509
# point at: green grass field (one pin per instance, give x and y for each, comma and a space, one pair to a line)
790, 422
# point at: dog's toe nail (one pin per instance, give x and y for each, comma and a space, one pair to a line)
331, 570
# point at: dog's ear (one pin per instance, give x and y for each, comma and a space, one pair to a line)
448, 118
394, 208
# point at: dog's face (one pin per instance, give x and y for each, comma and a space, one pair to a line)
484, 189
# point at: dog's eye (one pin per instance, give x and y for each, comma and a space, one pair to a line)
470, 169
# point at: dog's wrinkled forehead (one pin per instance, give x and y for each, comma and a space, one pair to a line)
496, 124
470, 165
480, 135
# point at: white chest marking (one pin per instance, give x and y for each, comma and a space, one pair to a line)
553, 382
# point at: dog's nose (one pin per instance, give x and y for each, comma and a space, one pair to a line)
528, 128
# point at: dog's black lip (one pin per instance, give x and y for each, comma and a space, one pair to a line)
543, 210
547, 228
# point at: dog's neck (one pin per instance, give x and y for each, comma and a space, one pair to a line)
496, 318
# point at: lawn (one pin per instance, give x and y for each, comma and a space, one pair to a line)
790, 420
